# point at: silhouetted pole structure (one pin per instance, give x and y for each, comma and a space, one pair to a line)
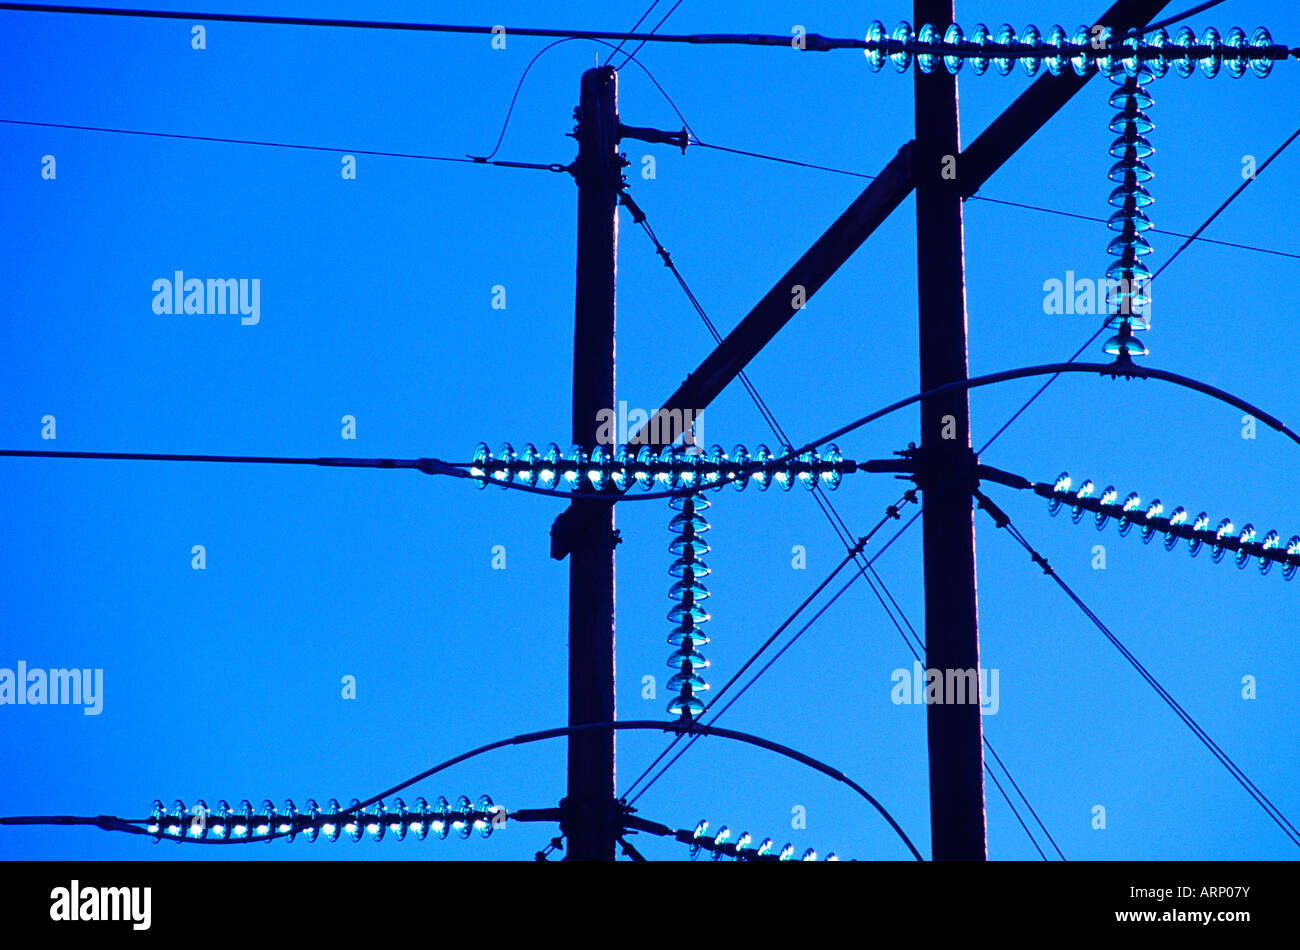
946, 466
591, 824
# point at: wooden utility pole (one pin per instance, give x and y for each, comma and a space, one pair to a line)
945, 467
591, 822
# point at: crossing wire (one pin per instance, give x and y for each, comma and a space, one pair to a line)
648, 11
1003, 521
918, 649
1000, 201
743, 689
789, 620
694, 140
783, 626
654, 30
519, 86
1195, 235
837, 523
1006, 797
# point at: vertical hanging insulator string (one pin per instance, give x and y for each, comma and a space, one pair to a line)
1128, 298
688, 592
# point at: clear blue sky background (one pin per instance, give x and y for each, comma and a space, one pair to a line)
375, 302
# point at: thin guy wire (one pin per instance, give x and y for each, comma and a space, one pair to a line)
1233, 769
1028, 402
648, 11
920, 643
1217, 211
653, 31
733, 699
987, 742
917, 655
266, 144
486, 160
520, 85
791, 643
789, 620
1000, 201
1088, 217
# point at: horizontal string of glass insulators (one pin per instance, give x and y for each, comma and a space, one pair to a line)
669, 468
1085, 50
395, 819
743, 848
1196, 531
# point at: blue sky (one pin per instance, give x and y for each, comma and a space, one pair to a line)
376, 303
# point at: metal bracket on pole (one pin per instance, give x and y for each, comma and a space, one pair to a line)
680, 139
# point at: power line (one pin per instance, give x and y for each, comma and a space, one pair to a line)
428, 465
519, 86
1191, 237
1007, 799
556, 167
464, 470
1112, 370
1003, 521
433, 466
696, 728
111, 823
289, 145
812, 42
1227, 201
653, 30
1000, 201
1028, 402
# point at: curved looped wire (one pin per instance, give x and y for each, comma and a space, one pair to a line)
110, 823
518, 87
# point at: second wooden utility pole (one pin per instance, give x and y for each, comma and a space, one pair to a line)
591, 820
946, 466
